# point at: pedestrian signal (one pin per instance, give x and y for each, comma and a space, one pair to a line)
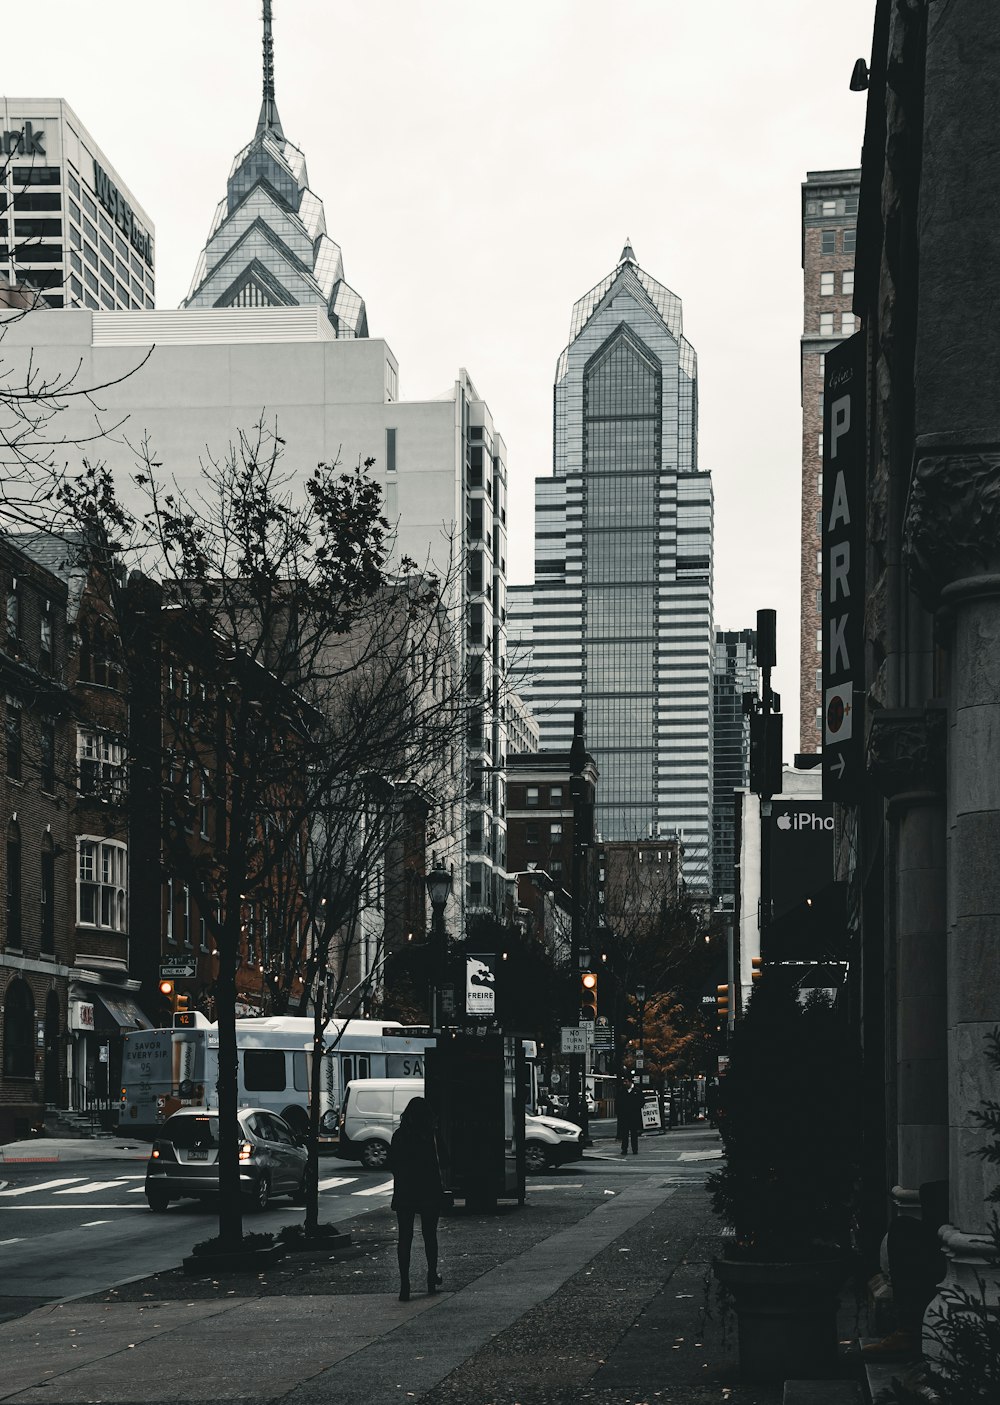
588, 995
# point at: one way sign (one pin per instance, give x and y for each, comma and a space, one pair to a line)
843, 552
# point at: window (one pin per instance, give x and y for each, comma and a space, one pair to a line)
13, 614
390, 451
531, 795
850, 241
847, 324
19, 1031
819, 680
204, 808
555, 794
186, 917
828, 241
47, 755
170, 910
45, 637
819, 445
13, 884
828, 207
47, 898
531, 834
555, 832
847, 281
390, 381
264, 1070
100, 770
819, 641
13, 740
826, 324
102, 898
826, 285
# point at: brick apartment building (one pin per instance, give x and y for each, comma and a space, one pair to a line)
829, 223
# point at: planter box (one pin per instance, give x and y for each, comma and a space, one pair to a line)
787, 1315
242, 1261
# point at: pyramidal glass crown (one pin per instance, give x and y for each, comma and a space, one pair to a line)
268, 245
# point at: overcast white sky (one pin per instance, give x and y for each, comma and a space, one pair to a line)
481, 167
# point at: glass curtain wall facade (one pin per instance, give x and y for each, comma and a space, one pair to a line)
736, 672
268, 245
618, 622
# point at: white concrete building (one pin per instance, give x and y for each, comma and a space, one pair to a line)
70, 227
214, 375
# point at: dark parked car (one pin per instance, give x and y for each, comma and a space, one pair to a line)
184, 1161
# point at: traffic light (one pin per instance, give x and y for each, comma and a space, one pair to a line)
756, 967
166, 989
183, 1013
722, 1003
588, 995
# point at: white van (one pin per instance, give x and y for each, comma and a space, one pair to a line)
370, 1114
372, 1108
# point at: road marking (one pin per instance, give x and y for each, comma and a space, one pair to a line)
137, 1189
42, 1185
684, 1156
375, 1189
563, 1185
91, 1188
89, 1224
71, 1205
332, 1181
10, 1241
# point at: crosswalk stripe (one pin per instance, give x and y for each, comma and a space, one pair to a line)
137, 1190
10, 1241
91, 1188
43, 1185
332, 1181
375, 1189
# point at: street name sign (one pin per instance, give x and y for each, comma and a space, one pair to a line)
843, 561
181, 969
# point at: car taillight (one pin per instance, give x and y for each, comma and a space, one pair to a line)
156, 1154
246, 1151
162, 1151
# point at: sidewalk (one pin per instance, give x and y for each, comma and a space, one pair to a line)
581, 1295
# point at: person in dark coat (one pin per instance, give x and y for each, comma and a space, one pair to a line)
629, 1116
417, 1190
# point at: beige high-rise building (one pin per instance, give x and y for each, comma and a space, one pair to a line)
829, 224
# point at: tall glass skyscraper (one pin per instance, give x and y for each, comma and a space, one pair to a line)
268, 245
619, 619
736, 673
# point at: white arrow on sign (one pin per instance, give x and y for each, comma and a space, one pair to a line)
839, 766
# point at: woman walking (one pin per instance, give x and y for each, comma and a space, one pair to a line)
417, 1190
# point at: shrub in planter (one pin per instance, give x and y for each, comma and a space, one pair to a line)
789, 1117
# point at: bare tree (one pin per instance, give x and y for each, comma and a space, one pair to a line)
306, 676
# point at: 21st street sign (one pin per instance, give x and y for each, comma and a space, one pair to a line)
842, 545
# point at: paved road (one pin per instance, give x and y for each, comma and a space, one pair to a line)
80, 1224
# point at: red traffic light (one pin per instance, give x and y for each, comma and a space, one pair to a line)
588, 995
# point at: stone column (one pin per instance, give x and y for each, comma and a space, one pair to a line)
952, 542
906, 760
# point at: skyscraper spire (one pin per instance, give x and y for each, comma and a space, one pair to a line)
269, 121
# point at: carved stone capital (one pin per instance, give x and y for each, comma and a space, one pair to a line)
906, 750
952, 526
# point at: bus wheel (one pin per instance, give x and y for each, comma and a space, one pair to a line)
374, 1155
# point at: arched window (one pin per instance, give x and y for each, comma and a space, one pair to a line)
13, 884
19, 1032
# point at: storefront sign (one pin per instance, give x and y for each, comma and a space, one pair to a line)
81, 1016
843, 556
802, 852
123, 215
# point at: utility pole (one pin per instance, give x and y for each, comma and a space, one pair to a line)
581, 841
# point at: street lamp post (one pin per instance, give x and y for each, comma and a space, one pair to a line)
438, 888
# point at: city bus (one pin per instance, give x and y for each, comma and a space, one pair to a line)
164, 1069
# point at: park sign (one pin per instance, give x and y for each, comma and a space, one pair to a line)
842, 547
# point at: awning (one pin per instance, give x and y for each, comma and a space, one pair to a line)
118, 1013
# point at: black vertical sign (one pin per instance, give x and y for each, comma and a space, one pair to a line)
843, 552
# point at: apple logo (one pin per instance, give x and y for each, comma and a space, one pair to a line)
784, 821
